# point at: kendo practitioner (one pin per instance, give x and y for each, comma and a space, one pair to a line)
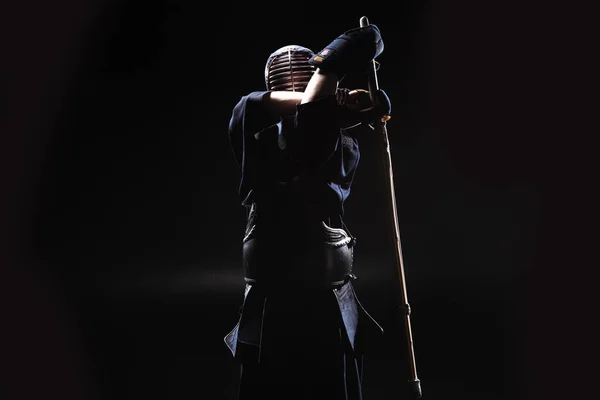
302, 332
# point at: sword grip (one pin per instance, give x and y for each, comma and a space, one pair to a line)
372, 74
364, 21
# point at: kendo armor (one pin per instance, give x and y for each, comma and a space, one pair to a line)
287, 69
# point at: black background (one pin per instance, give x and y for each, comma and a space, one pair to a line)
123, 225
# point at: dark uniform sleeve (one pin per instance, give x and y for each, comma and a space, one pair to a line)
330, 155
249, 117
318, 157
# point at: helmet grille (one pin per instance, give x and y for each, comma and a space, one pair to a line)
289, 71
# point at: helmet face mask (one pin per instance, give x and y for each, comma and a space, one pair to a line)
287, 69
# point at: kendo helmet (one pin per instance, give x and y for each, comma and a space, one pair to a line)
287, 69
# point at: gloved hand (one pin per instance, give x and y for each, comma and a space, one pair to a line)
356, 107
350, 52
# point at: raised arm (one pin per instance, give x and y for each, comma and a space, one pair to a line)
282, 103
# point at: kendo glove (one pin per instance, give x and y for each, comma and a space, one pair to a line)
356, 107
350, 52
